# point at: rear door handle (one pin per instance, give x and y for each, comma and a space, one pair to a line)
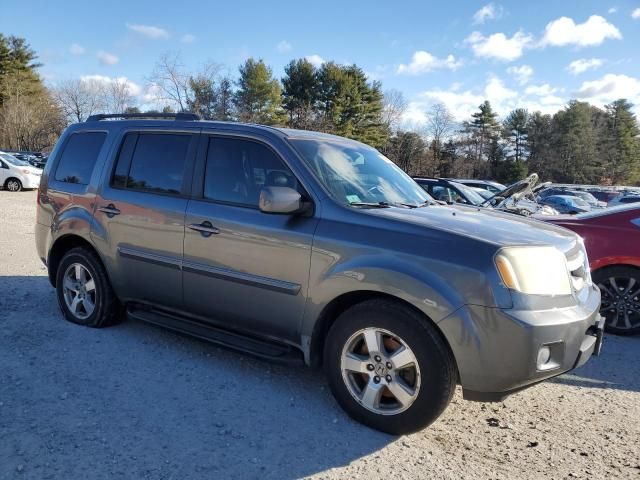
110, 210
205, 229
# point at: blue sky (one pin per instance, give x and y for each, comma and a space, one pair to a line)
534, 54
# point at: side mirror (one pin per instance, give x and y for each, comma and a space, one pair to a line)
283, 200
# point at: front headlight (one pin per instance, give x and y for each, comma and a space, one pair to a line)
534, 270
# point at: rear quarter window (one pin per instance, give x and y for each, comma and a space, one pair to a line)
79, 157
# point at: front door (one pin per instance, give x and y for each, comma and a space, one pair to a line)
245, 269
139, 216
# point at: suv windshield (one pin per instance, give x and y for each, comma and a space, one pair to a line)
355, 174
13, 160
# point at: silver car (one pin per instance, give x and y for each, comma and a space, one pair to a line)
295, 245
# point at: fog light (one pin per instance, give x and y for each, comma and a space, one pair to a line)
544, 354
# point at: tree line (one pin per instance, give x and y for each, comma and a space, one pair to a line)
579, 144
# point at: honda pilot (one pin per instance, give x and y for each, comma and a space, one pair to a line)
296, 245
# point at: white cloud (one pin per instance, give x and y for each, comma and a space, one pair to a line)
635, 14
315, 59
564, 31
488, 12
609, 88
499, 46
188, 38
462, 104
148, 31
612, 10
132, 87
76, 49
107, 58
583, 64
423, 62
283, 47
540, 90
522, 74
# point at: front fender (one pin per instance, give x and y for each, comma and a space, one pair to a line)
422, 288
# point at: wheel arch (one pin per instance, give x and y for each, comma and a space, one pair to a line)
6, 182
342, 303
61, 246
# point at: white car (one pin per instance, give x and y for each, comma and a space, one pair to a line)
16, 175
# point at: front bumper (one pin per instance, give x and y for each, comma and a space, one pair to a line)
497, 351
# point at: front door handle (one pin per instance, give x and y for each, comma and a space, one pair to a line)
205, 229
110, 210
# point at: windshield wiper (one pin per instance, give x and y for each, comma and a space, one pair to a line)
370, 204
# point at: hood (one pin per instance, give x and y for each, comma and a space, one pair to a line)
500, 229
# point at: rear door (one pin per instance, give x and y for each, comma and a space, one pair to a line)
243, 268
139, 216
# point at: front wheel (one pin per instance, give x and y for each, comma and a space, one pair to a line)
620, 288
388, 367
13, 185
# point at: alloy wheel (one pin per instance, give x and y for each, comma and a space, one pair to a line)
620, 302
79, 291
13, 185
380, 371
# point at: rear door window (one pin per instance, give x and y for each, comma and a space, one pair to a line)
79, 157
153, 162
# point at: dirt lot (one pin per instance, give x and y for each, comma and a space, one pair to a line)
134, 401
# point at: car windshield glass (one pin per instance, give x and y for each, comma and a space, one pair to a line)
13, 160
587, 196
356, 174
579, 202
468, 192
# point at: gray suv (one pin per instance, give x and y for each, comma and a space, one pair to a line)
300, 245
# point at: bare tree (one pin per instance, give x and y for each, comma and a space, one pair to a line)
29, 120
79, 98
394, 106
118, 95
170, 81
440, 125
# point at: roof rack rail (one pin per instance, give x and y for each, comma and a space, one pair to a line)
176, 116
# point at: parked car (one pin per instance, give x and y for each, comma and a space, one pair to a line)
564, 191
293, 244
624, 199
489, 185
520, 198
16, 175
35, 159
612, 239
566, 204
449, 191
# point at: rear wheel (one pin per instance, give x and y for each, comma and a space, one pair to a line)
388, 367
84, 292
13, 185
620, 288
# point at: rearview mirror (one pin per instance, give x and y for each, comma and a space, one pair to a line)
282, 200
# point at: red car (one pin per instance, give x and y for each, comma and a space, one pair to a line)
612, 239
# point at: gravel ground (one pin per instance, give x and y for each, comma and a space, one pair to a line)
135, 401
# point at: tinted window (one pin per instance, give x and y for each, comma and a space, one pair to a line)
157, 163
237, 169
630, 200
79, 157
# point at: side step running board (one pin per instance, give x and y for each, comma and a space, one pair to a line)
260, 348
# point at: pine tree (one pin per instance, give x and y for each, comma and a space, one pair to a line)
300, 88
485, 127
349, 105
224, 100
258, 98
624, 151
515, 133
538, 144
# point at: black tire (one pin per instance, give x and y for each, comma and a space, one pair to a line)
626, 278
108, 310
13, 184
437, 370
